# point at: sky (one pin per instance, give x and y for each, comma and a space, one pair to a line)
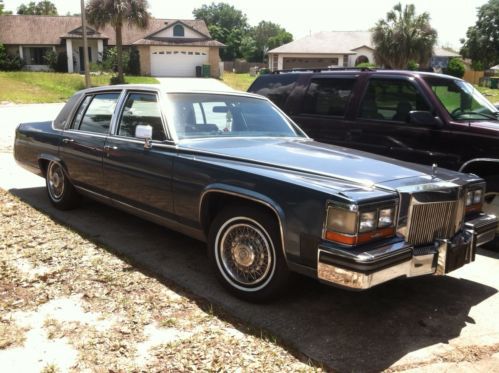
451, 18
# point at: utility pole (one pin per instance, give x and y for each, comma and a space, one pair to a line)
85, 44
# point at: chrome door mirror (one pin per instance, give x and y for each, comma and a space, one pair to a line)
144, 132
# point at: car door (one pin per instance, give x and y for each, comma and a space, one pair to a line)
325, 103
135, 174
383, 124
83, 141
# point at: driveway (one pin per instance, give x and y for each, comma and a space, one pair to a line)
435, 323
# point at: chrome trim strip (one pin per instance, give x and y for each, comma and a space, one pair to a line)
281, 228
160, 220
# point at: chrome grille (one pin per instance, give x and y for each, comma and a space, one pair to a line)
428, 221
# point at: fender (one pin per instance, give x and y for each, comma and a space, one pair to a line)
49, 157
494, 161
251, 196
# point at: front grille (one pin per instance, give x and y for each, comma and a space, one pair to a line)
429, 221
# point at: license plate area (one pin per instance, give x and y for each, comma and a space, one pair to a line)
459, 252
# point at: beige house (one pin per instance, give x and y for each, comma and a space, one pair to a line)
324, 49
168, 47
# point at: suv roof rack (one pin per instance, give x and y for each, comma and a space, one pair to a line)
322, 69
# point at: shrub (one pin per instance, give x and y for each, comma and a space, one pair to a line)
456, 68
412, 65
264, 71
133, 66
365, 65
8, 62
50, 57
61, 65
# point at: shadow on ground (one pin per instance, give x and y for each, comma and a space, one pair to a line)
344, 331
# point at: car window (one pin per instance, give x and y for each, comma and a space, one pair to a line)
141, 109
98, 113
217, 115
328, 96
392, 100
275, 87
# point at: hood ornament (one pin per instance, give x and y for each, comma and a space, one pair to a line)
434, 170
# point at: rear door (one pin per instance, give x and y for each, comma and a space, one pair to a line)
325, 103
134, 174
83, 140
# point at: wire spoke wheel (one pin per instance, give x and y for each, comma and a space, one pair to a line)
55, 181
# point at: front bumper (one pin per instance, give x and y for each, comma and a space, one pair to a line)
356, 269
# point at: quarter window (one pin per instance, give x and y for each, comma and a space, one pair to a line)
392, 100
141, 109
98, 111
328, 96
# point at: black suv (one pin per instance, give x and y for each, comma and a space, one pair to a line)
413, 116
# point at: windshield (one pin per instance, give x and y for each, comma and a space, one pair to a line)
462, 100
216, 115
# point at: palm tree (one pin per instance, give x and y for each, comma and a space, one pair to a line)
117, 13
403, 37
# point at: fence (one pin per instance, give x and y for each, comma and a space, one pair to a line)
473, 76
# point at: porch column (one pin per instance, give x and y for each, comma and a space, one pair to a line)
21, 56
69, 52
100, 50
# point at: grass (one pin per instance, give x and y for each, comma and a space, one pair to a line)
40, 87
491, 94
241, 82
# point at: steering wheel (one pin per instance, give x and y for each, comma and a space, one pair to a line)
457, 111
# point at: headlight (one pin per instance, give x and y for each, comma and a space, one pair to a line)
349, 226
477, 196
474, 200
342, 221
367, 221
469, 198
386, 217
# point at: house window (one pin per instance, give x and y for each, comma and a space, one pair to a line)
35, 55
178, 30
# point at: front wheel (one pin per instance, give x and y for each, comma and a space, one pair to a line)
245, 250
60, 191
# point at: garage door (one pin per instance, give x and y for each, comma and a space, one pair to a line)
308, 63
177, 61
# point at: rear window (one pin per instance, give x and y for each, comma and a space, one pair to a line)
328, 96
275, 87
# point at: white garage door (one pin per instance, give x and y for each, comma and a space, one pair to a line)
180, 61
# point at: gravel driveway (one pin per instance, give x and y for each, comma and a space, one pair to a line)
425, 324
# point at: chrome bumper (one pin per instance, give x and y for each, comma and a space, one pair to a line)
363, 270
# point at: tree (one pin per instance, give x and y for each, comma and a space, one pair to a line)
482, 40
226, 24
268, 35
456, 68
403, 36
42, 8
2, 11
117, 13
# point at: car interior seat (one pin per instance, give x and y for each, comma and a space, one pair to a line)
402, 113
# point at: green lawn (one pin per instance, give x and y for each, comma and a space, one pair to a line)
491, 94
241, 82
39, 87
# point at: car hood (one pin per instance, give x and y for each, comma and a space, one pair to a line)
487, 124
314, 158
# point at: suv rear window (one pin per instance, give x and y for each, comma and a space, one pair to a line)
275, 87
328, 96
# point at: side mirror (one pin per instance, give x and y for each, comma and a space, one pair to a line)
144, 132
424, 118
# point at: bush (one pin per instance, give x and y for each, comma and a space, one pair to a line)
8, 62
412, 65
456, 68
264, 71
61, 64
50, 57
133, 66
365, 65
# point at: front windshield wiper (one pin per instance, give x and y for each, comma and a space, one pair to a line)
488, 116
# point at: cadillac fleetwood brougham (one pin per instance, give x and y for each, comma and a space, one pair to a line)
233, 170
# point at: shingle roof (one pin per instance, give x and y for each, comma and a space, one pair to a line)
48, 30
327, 42
444, 52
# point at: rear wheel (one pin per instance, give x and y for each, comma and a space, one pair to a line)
59, 189
245, 250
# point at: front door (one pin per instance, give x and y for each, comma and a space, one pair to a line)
82, 145
134, 174
82, 57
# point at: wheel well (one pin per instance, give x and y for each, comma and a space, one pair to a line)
43, 164
486, 170
215, 202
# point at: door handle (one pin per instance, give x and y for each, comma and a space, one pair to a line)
108, 148
67, 140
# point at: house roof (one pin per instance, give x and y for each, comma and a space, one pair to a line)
444, 52
327, 42
50, 30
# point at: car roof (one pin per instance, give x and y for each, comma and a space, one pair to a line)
349, 71
162, 88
